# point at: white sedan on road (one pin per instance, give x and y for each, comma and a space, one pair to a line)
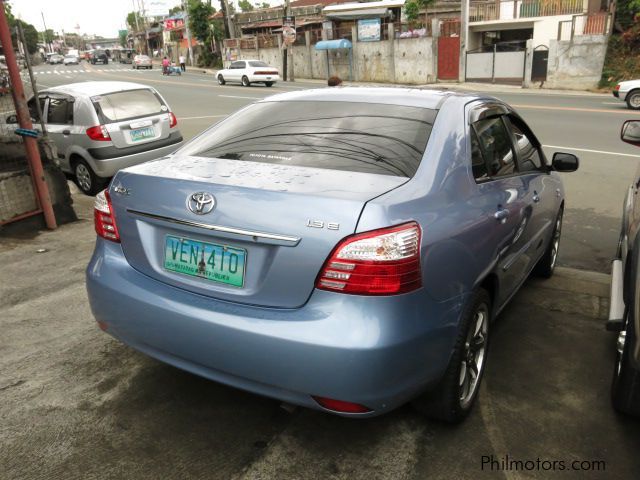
247, 72
629, 92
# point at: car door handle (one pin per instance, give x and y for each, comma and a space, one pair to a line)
66, 132
501, 215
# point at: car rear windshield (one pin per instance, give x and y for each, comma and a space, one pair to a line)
127, 105
258, 64
346, 136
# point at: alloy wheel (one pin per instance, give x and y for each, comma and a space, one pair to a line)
83, 176
555, 245
473, 355
634, 100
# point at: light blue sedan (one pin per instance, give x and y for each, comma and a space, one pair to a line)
341, 249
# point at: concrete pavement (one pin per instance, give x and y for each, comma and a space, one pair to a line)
77, 404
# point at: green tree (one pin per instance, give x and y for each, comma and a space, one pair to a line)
245, 5
122, 36
131, 20
265, 5
412, 11
48, 35
199, 13
173, 11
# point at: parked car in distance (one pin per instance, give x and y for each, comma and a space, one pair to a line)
71, 60
101, 127
628, 92
343, 250
141, 61
55, 58
247, 72
99, 56
624, 305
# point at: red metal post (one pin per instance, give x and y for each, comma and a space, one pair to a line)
24, 120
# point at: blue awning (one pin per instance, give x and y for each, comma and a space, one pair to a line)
333, 44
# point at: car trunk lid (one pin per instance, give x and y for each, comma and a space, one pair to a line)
278, 224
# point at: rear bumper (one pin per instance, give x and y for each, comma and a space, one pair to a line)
375, 351
107, 161
264, 78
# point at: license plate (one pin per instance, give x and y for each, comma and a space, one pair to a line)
218, 263
142, 133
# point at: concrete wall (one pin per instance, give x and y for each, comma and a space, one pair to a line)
546, 28
409, 60
577, 64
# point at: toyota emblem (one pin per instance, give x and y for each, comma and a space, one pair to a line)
201, 203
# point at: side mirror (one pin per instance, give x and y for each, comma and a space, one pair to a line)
12, 119
630, 132
565, 162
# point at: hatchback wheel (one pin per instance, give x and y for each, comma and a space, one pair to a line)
452, 400
87, 181
221, 80
245, 81
633, 100
547, 264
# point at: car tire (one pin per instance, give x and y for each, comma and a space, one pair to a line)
88, 182
245, 81
221, 80
453, 398
269, 84
547, 263
625, 388
633, 99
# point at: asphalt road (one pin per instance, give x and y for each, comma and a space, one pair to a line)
587, 125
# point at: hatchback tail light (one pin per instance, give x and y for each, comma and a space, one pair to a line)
98, 133
104, 219
173, 121
380, 262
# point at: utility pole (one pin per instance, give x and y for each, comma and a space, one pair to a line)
229, 22
185, 9
24, 120
464, 39
46, 44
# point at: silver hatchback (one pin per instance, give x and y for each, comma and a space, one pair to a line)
102, 127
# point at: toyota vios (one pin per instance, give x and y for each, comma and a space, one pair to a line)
341, 249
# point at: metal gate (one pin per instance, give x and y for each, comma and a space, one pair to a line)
449, 49
500, 63
540, 63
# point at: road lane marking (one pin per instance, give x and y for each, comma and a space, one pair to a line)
586, 150
204, 116
573, 109
239, 96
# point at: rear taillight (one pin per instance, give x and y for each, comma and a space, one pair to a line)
98, 133
103, 217
266, 73
380, 262
617, 87
173, 121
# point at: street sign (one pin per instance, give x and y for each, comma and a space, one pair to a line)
288, 30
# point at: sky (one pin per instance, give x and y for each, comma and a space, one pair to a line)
102, 18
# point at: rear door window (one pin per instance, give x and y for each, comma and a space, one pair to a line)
127, 105
347, 136
60, 111
258, 64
